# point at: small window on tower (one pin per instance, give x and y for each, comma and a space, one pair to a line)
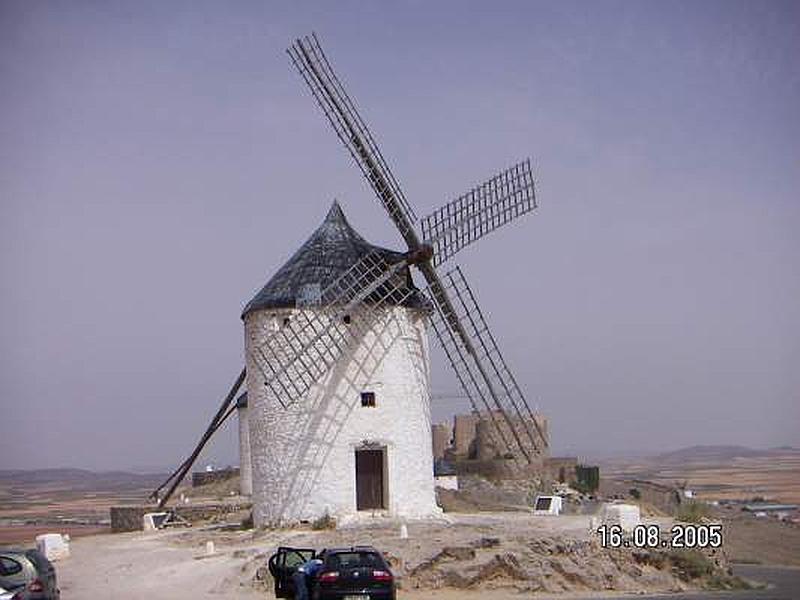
368, 399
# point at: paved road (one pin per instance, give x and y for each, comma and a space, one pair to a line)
783, 584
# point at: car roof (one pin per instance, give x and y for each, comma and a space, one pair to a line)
351, 549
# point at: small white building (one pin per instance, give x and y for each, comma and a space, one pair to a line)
359, 441
627, 516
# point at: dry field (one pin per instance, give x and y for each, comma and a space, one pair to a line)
77, 502
71, 501
773, 474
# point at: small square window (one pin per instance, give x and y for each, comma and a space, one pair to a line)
368, 399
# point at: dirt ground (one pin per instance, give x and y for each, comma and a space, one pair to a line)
763, 541
491, 555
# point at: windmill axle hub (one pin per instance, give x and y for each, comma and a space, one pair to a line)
421, 255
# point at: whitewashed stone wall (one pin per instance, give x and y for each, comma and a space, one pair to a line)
245, 467
303, 457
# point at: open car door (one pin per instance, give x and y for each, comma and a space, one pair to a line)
282, 566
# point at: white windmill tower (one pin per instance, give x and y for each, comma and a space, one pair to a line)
338, 409
357, 436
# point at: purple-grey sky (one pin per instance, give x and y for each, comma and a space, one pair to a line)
160, 160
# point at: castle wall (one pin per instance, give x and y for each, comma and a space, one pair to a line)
486, 437
303, 456
561, 469
442, 434
464, 433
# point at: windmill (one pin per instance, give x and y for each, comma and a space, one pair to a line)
313, 333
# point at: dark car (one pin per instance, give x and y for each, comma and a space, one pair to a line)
29, 573
355, 573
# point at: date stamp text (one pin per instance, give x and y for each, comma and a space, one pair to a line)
680, 536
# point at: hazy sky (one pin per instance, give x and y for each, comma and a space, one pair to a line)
160, 160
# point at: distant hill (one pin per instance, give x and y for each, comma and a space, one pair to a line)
713, 454
80, 479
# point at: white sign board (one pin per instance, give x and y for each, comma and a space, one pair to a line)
547, 505
154, 520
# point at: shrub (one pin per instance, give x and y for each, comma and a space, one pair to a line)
722, 581
691, 564
693, 512
324, 522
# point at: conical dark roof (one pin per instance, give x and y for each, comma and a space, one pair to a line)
332, 249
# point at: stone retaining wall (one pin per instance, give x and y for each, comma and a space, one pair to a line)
129, 518
663, 497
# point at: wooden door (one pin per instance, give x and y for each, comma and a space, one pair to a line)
369, 479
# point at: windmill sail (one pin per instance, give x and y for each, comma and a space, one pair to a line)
471, 348
482, 374
513, 401
480, 211
312, 64
465, 370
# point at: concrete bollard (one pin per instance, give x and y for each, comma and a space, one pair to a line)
403, 532
209, 548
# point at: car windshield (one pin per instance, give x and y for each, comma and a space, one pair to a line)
295, 558
351, 560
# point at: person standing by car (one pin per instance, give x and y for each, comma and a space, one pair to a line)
303, 576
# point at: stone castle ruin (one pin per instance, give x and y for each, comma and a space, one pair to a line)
470, 437
466, 446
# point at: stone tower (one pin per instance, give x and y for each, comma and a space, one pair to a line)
359, 441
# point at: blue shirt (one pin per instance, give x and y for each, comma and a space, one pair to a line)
311, 567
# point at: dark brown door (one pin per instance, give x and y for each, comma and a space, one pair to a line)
369, 479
